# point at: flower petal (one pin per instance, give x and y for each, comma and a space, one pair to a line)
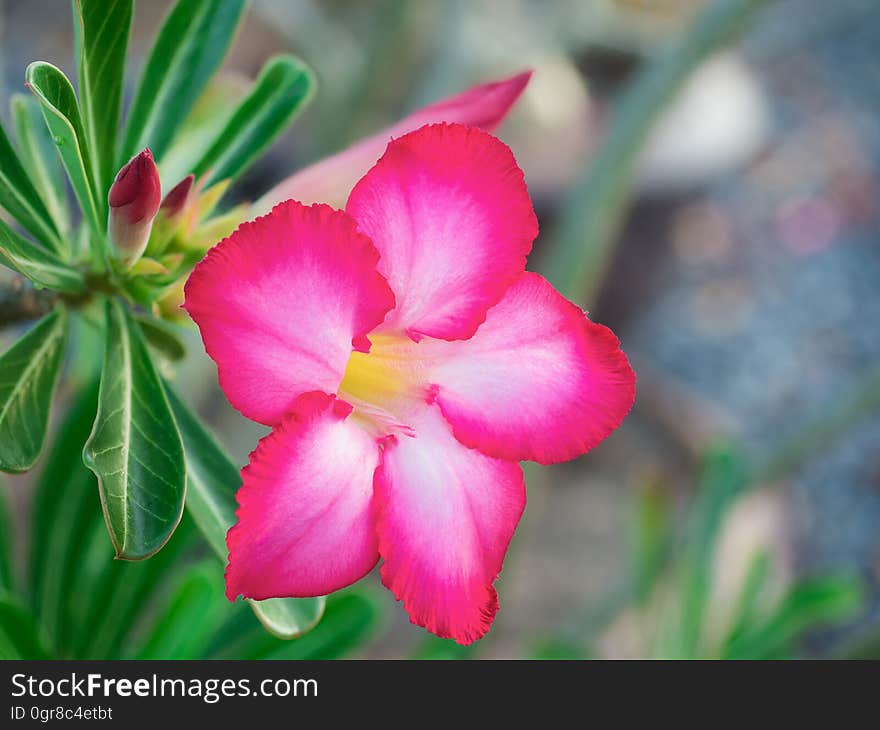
330, 180
445, 515
282, 301
448, 209
305, 522
538, 381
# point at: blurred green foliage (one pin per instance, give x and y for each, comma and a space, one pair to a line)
672, 574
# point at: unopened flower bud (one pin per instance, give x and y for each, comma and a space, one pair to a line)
134, 201
175, 201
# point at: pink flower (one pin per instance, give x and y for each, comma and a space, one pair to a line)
406, 362
330, 180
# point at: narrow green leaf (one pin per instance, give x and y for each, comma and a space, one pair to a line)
216, 105
213, 480
61, 112
161, 336
212, 477
37, 264
725, 476
20, 636
41, 162
6, 574
188, 49
578, 254
65, 511
190, 618
746, 613
128, 586
103, 29
650, 539
28, 377
809, 605
21, 200
283, 88
135, 448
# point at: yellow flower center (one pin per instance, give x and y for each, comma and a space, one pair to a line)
385, 382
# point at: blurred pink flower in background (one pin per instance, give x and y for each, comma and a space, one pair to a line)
330, 180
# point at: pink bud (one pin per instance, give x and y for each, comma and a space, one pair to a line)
134, 201
176, 199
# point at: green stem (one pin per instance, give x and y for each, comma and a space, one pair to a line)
579, 252
20, 301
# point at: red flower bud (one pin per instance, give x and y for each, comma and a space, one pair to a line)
134, 201
177, 198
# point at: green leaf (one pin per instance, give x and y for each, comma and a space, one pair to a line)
135, 448
217, 103
41, 163
28, 377
650, 539
350, 620
289, 618
810, 604
548, 650
580, 249
161, 336
19, 633
73, 576
188, 49
6, 574
435, 648
37, 264
61, 112
191, 617
129, 587
746, 612
103, 29
281, 91
725, 476
21, 200
65, 510
213, 480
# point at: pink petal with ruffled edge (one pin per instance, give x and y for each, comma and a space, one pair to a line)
305, 521
281, 302
449, 212
330, 180
538, 381
445, 515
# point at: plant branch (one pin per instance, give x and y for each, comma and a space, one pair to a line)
21, 301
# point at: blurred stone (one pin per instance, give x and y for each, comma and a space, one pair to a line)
552, 129
757, 524
717, 123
